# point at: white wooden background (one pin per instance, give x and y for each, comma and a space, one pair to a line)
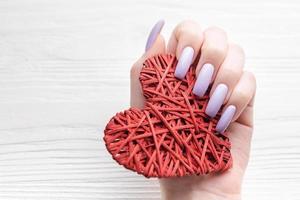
64, 71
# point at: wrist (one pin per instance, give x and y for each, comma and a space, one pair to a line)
197, 195
173, 191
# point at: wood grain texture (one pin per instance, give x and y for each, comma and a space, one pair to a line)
64, 71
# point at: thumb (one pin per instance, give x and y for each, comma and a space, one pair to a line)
158, 47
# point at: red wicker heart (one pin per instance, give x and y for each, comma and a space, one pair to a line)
171, 136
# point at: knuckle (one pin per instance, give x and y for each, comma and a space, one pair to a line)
240, 98
188, 27
187, 23
134, 69
251, 78
215, 30
237, 49
243, 96
212, 50
232, 73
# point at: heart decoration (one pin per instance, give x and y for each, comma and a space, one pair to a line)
171, 136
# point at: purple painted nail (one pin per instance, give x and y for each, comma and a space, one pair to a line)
216, 100
184, 62
226, 118
154, 33
203, 80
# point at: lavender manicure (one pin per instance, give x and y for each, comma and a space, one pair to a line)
225, 118
203, 80
154, 33
184, 62
216, 100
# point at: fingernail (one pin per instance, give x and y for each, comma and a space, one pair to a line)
203, 80
184, 62
154, 33
216, 100
225, 118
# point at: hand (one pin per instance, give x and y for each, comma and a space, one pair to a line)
220, 63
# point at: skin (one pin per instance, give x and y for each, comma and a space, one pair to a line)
228, 60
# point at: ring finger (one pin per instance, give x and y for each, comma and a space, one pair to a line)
227, 77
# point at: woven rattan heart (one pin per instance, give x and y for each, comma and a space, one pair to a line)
171, 136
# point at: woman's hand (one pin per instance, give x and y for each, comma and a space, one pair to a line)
220, 63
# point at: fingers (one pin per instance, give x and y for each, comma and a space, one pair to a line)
185, 42
227, 77
155, 45
219, 63
239, 103
213, 52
